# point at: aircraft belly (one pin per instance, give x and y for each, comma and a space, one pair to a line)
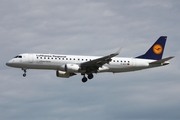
39, 65
120, 68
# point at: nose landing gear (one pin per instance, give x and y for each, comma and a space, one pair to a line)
24, 75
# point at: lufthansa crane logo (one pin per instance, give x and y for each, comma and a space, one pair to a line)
157, 48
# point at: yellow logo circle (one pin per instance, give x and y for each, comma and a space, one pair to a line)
157, 49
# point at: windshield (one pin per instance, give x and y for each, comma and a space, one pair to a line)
18, 56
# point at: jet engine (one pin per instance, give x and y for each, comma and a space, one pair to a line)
70, 68
64, 74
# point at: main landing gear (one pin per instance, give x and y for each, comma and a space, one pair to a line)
24, 75
90, 76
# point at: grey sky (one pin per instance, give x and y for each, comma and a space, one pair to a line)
89, 27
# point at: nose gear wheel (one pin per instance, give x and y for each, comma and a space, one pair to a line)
24, 75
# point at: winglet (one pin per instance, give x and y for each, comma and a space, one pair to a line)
116, 53
119, 51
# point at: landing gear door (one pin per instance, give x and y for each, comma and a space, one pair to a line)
30, 58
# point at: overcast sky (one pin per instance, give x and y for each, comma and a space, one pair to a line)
89, 27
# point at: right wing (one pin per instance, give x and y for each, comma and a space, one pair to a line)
93, 65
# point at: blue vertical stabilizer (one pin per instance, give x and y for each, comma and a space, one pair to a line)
156, 50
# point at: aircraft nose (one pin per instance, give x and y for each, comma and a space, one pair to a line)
9, 63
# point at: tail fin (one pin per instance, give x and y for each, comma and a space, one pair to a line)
156, 50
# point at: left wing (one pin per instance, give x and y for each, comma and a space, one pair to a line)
93, 65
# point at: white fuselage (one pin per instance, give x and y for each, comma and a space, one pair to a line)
55, 61
68, 65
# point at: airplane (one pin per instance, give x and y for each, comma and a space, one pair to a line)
69, 65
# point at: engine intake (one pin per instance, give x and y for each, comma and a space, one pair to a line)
64, 74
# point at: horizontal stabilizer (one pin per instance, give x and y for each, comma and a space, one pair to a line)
162, 60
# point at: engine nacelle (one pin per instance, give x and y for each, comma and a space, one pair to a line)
70, 68
64, 74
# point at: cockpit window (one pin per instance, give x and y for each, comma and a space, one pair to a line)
18, 56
